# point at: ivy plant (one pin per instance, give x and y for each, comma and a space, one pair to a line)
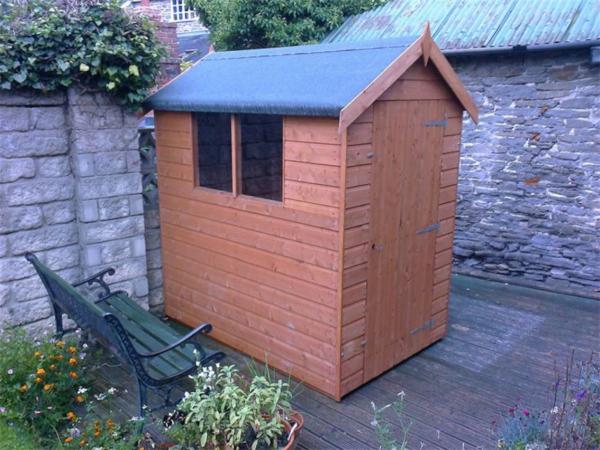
48, 45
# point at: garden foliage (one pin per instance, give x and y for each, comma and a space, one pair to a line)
48, 45
573, 421
243, 24
39, 383
226, 410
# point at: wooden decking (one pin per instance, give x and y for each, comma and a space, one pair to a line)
501, 348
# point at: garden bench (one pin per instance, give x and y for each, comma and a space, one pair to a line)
158, 354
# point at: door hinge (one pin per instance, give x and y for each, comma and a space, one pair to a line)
426, 326
429, 228
436, 123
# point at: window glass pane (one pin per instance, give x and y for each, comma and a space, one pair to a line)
214, 150
261, 142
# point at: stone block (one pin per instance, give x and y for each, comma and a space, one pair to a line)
31, 98
113, 208
4, 294
134, 163
15, 268
44, 238
14, 118
59, 212
136, 204
115, 250
140, 287
110, 163
138, 246
47, 118
109, 140
88, 211
84, 165
112, 229
78, 96
34, 143
92, 117
156, 298
31, 311
152, 238
155, 278
3, 246
62, 258
40, 191
110, 185
92, 256
20, 218
14, 169
27, 289
153, 259
55, 166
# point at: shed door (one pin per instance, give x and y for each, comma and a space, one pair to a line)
407, 142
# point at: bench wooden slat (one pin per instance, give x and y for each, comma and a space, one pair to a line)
168, 363
150, 325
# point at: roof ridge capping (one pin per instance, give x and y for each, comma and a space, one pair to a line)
310, 49
424, 47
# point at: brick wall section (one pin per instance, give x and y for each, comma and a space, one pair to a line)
529, 189
70, 191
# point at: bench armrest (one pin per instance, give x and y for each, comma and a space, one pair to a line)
99, 279
205, 328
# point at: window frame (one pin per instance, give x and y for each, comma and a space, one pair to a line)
185, 15
236, 163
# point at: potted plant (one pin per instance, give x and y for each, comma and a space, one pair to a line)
226, 411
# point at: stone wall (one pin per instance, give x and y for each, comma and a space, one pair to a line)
70, 191
529, 190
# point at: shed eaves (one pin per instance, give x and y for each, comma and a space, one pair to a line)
310, 80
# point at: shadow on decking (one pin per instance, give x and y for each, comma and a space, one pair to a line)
501, 347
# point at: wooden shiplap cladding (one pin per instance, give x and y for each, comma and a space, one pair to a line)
298, 282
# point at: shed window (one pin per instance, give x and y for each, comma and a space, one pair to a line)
214, 151
261, 137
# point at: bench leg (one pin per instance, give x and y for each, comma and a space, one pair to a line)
58, 319
142, 398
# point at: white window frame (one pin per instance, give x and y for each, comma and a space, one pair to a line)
180, 12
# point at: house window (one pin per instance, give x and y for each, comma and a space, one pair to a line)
180, 11
241, 154
261, 159
214, 151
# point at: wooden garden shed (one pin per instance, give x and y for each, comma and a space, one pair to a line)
307, 199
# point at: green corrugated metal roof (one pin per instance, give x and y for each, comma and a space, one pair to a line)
479, 24
313, 80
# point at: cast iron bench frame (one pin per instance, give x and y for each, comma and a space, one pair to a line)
120, 332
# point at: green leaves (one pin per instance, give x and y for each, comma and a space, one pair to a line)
96, 45
240, 24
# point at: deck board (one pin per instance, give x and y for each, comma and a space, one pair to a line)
502, 344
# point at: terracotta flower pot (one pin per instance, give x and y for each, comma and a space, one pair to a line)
293, 428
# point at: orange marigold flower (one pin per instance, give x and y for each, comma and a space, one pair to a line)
71, 416
68, 439
38, 380
37, 354
60, 344
59, 357
110, 424
48, 387
24, 388
73, 361
79, 399
82, 442
52, 366
97, 433
40, 372
73, 375
72, 350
